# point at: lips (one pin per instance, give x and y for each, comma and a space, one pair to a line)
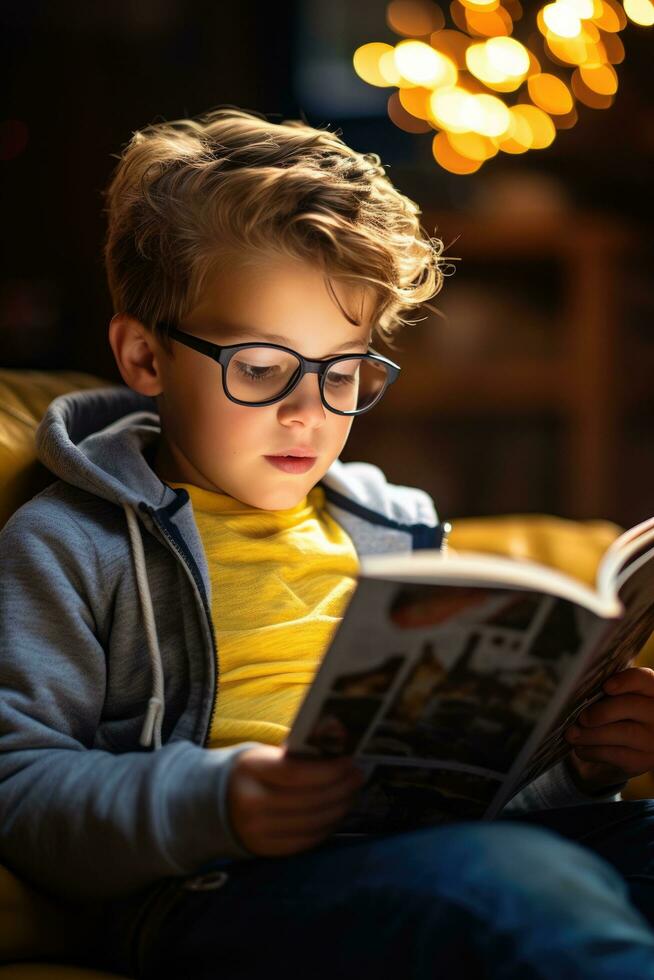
297, 452
291, 464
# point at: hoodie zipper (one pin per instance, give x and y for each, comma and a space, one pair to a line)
200, 587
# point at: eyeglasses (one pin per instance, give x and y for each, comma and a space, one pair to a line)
262, 374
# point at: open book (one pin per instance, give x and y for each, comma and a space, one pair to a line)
452, 677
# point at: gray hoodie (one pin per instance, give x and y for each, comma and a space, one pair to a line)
108, 657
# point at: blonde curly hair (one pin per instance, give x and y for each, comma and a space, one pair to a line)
191, 194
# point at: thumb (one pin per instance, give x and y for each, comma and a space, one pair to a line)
632, 680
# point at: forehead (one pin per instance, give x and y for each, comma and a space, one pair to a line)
286, 301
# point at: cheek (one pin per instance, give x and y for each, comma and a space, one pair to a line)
197, 409
342, 430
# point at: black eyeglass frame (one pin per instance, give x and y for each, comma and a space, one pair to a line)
224, 353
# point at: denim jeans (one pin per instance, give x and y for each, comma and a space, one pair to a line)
513, 898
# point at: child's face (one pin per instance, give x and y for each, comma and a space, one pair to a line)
212, 442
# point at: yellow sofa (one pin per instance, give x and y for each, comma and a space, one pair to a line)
37, 934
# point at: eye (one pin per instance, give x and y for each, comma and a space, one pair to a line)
254, 373
340, 380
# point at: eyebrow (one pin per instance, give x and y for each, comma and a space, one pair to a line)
275, 338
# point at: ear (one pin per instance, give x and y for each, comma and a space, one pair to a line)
138, 354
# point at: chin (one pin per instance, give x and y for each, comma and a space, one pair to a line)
281, 499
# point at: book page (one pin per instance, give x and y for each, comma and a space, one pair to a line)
432, 566
437, 690
617, 648
616, 561
624, 540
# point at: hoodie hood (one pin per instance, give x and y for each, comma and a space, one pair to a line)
99, 440
96, 440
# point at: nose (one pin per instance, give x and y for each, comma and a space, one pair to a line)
303, 404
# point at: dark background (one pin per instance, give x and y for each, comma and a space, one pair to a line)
530, 394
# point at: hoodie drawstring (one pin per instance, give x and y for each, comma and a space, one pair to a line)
151, 731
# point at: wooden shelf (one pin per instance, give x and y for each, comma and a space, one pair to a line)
525, 384
580, 384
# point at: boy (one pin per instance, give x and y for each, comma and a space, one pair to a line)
175, 590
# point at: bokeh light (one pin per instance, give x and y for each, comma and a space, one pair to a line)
640, 12
414, 18
562, 20
420, 64
550, 93
367, 63
450, 159
460, 76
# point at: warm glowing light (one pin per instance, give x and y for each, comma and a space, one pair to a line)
507, 56
581, 8
462, 112
496, 23
404, 120
568, 121
443, 76
602, 79
534, 65
613, 49
388, 69
571, 50
414, 18
543, 130
366, 63
449, 159
595, 100
421, 64
472, 84
550, 93
458, 13
448, 106
640, 11
612, 17
518, 136
488, 115
478, 64
416, 101
453, 44
500, 63
473, 145
561, 20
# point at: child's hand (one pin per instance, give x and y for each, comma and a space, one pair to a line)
613, 739
280, 805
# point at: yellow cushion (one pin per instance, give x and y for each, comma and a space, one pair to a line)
574, 547
24, 397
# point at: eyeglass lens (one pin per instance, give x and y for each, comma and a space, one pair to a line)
256, 374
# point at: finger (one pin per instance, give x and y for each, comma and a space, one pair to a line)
289, 771
629, 734
635, 707
632, 680
309, 823
626, 761
282, 800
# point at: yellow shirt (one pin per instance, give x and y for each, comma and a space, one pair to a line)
280, 582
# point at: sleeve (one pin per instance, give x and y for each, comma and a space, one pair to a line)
556, 788
75, 821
